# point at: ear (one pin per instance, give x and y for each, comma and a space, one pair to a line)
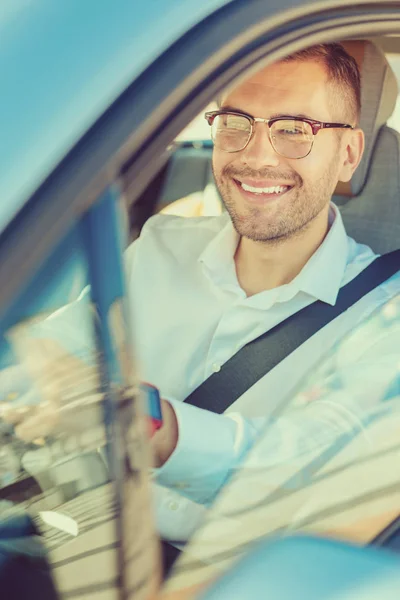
353, 151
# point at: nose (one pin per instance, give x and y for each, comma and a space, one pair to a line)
259, 151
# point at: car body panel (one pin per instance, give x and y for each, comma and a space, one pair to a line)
76, 58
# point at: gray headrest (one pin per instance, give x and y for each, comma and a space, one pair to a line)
378, 99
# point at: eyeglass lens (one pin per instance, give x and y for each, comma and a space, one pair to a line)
289, 137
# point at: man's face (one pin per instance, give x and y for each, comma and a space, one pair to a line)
305, 185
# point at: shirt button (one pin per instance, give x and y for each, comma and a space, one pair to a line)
173, 505
216, 367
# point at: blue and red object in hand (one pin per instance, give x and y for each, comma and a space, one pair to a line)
153, 406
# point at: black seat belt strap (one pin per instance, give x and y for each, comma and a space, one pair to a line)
259, 356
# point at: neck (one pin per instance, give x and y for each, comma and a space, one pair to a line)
266, 265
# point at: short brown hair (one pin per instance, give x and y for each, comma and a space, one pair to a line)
343, 73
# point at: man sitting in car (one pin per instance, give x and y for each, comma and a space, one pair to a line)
282, 140
201, 289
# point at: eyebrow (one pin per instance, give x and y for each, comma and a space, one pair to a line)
275, 116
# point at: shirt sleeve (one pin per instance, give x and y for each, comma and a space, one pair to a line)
209, 447
333, 409
71, 326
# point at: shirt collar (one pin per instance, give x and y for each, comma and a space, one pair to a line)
218, 256
322, 275
320, 278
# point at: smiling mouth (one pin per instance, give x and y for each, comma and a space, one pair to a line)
270, 191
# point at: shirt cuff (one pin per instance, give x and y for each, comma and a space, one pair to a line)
209, 447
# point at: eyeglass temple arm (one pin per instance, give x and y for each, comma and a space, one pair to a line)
336, 126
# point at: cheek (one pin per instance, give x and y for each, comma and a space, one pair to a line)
326, 153
220, 161
315, 166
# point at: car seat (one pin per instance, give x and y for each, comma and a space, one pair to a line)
370, 202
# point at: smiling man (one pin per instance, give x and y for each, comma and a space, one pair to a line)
282, 140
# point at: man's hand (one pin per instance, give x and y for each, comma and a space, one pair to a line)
36, 415
165, 439
37, 398
19, 402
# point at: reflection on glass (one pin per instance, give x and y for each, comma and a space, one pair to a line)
327, 463
73, 452
53, 411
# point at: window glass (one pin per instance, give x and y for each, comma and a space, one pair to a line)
188, 188
53, 462
198, 129
342, 482
73, 453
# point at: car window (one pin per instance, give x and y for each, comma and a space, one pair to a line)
198, 129
58, 423
344, 480
189, 189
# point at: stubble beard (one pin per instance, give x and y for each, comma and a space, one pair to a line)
298, 208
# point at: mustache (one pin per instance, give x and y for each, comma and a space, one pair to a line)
265, 173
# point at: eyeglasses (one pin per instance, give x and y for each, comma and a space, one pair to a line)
291, 137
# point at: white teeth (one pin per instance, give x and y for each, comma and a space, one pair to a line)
279, 189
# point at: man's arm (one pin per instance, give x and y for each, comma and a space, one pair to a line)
195, 450
205, 449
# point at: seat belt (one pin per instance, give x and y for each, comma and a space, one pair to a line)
259, 356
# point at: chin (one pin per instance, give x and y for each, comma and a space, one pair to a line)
252, 231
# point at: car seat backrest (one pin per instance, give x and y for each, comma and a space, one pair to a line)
370, 202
